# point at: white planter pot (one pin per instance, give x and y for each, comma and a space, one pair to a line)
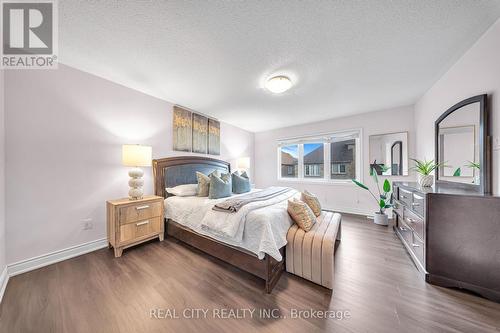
425, 180
380, 219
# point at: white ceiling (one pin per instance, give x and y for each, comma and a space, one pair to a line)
345, 57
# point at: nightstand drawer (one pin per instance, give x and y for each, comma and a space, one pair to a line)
141, 211
138, 229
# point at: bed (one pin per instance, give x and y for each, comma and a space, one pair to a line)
262, 256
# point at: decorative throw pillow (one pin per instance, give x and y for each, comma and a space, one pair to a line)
204, 183
312, 201
220, 187
301, 214
186, 190
241, 182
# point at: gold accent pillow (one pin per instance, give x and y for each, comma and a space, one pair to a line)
203, 184
312, 201
301, 214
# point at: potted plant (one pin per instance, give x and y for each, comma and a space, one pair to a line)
424, 169
380, 217
476, 167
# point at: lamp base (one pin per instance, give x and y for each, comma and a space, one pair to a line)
135, 182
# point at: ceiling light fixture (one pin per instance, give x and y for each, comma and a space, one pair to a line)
278, 84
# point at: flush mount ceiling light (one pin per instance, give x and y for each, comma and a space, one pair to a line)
278, 84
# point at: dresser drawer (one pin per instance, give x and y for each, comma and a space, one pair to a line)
417, 247
415, 222
133, 231
405, 197
398, 208
141, 211
418, 204
405, 232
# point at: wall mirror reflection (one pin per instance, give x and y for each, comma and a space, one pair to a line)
389, 154
461, 143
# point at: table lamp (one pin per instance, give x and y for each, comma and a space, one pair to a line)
136, 156
244, 163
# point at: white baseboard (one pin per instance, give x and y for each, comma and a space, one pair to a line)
4, 278
56, 256
354, 211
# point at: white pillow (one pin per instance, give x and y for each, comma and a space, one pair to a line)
186, 190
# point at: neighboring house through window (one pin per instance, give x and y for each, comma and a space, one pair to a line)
334, 157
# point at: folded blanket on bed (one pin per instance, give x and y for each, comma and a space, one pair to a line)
231, 226
234, 204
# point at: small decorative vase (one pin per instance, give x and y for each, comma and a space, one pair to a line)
380, 219
425, 180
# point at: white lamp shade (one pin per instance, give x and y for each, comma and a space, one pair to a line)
244, 163
137, 155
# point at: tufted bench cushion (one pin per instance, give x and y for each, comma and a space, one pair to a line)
310, 255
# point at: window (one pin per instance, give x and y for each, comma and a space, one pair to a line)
343, 159
289, 161
334, 158
314, 160
338, 169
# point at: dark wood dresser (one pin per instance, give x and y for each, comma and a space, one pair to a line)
452, 235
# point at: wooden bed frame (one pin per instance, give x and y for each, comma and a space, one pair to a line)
268, 268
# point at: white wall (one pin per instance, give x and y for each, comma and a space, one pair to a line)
2, 176
477, 72
346, 198
64, 131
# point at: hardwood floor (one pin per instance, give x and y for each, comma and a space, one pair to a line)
375, 282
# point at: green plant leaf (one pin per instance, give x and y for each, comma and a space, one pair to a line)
387, 186
426, 167
363, 186
474, 165
457, 172
382, 203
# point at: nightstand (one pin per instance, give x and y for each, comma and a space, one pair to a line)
131, 222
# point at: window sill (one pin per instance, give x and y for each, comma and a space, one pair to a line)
346, 182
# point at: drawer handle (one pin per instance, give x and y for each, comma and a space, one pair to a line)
402, 228
142, 223
415, 245
410, 220
415, 204
404, 196
142, 207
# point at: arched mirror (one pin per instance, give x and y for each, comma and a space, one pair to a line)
461, 145
397, 158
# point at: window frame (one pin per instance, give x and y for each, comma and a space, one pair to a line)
326, 139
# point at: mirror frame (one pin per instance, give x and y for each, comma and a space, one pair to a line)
400, 143
484, 147
407, 149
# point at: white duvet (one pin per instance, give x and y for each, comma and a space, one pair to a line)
262, 230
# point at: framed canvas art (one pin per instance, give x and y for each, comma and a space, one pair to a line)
213, 137
182, 129
200, 134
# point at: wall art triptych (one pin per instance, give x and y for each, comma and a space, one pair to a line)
195, 133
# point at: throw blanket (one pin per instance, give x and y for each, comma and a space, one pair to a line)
231, 226
233, 205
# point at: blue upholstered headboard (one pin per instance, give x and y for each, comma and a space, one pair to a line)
173, 171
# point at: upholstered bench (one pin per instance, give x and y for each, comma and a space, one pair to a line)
310, 255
